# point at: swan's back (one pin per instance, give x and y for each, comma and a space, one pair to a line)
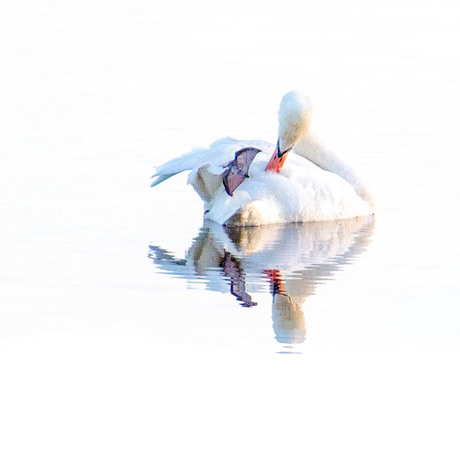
301, 192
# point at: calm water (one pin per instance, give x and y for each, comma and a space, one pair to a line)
129, 329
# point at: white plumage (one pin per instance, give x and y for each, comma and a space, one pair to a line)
312, 185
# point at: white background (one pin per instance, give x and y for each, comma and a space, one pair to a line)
101, 355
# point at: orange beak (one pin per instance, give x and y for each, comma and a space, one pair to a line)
276, 281
277, 160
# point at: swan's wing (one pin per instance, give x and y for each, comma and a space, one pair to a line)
207, 165
186, 162
220, 153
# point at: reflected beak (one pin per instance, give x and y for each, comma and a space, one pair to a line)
277, 160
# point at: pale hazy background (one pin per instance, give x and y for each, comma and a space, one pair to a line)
105, 355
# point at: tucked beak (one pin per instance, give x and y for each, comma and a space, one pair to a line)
277, 160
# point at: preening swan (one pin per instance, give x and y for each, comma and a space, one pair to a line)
251, 183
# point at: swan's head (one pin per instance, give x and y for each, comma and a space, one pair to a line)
294, 118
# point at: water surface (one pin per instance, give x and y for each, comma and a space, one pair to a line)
129, 329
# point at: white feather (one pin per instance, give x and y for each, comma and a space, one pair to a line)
314, 184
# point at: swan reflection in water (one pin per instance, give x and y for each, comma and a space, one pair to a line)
290, 259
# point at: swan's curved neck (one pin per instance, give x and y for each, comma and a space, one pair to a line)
310, 148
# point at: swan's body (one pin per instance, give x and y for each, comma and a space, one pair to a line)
312, 185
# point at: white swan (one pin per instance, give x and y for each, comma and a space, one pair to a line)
251, 183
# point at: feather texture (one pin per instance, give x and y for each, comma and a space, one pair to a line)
313, 185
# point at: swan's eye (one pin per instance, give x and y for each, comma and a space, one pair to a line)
286, 151
280, 154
